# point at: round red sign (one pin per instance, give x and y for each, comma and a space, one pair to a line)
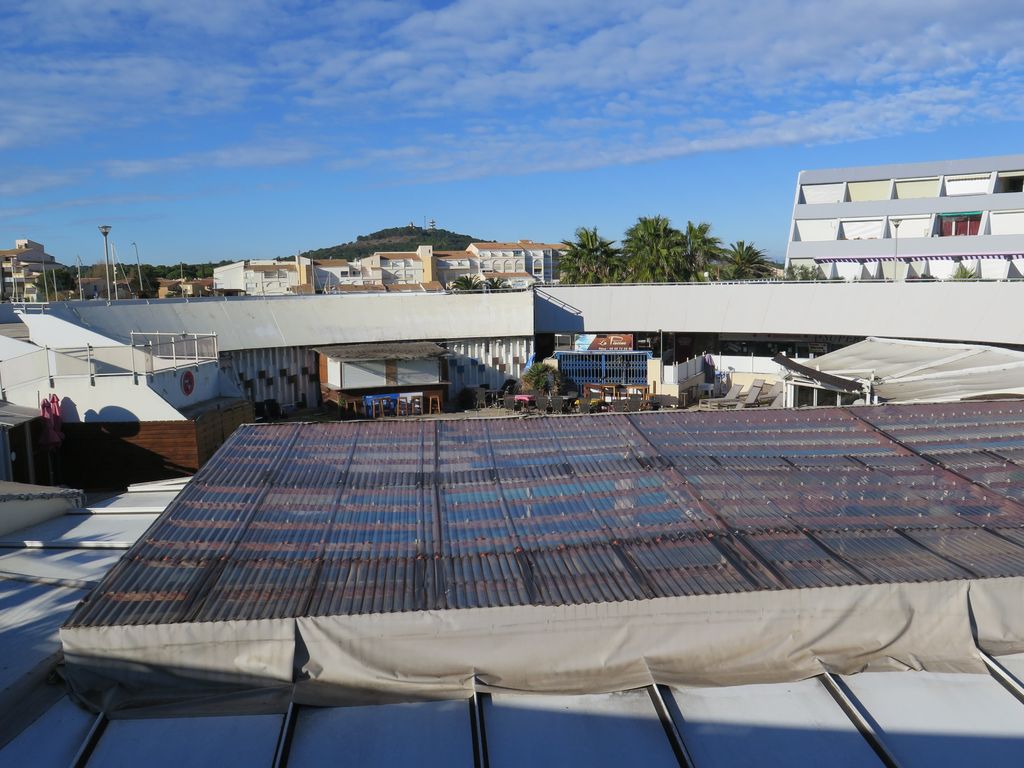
188, 382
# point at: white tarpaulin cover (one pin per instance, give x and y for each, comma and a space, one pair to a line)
699, 640
918, 371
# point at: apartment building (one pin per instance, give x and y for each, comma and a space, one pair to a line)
22, 266
265, 277
519, 264
522, 261
911, 220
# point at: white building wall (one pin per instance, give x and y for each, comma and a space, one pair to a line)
230, 277
942, 311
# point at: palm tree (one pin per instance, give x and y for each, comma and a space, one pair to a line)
743, 261
963, 272
701, 249
541, 377
588, 259
655, 251
466, 284
496, 284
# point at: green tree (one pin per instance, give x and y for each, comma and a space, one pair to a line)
541, 377
589, 259
963, 272
802, 272
744, 261
495, 284
65, 280
655, 252
701, 250
466, 284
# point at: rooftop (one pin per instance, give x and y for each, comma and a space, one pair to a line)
649, 505
524, 245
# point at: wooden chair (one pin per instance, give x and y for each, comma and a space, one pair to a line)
434, 404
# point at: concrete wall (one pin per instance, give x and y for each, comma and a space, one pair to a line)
961, 311
114, 398
206, 385
293, 321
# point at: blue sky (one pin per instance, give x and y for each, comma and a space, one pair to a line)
220, 130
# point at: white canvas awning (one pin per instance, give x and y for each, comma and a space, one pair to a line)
915, 371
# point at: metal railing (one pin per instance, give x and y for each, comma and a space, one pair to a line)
152, 354
169, 351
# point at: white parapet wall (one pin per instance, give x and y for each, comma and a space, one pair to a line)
298, 321
952, 311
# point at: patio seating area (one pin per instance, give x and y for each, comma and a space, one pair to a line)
757, 396
594, 398
400, 404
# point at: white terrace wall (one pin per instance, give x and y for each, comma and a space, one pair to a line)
962, 311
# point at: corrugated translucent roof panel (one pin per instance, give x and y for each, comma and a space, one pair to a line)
929, 719
53, 740
217, 742
595, 730
436, 733
784, 724
406, 515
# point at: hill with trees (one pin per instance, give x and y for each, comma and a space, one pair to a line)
395, 239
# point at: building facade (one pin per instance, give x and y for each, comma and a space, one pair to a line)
265, 277
937, 220
21, 267
519, 265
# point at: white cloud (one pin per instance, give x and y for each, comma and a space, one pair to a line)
240, 156
479, 87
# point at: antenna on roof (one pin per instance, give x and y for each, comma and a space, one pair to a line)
432, 224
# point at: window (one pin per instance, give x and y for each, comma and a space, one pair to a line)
1010, 181
869, 190
910, 226
956, 224
967, 184
907, 189
1007, 222
861, 229
822, 193
816, 229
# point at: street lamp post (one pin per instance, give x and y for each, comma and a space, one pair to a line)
105, 230
896, 225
